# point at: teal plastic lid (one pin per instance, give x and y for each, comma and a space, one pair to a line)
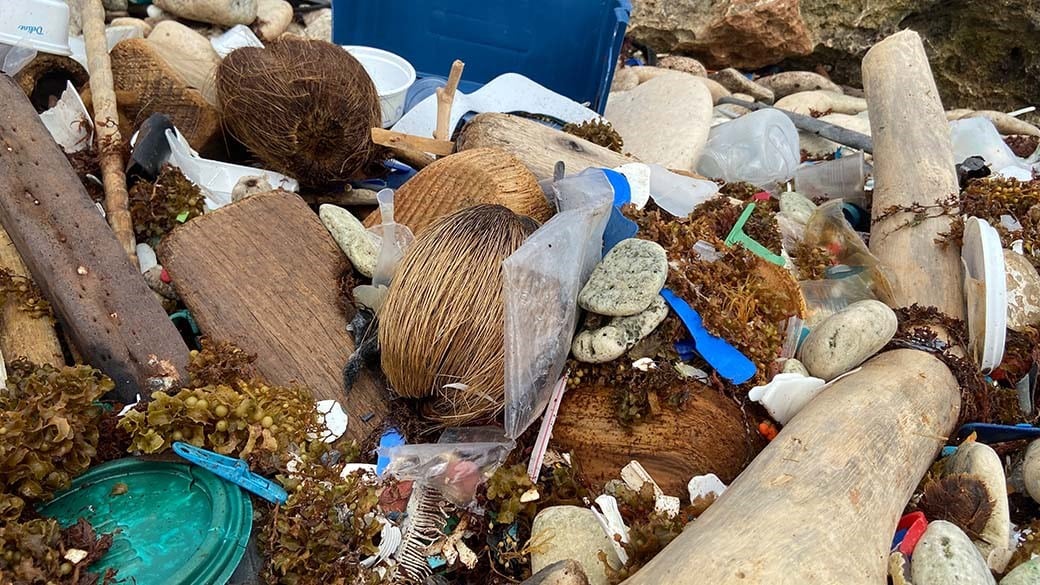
177, 524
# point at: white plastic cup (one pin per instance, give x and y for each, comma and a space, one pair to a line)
979, 137
392, 76
761, 148
843, 178
38, 24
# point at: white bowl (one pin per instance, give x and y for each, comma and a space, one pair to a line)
39, 24
392, 76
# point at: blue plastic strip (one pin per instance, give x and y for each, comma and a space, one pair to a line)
992, 433
619, 183
391, 438
233, 470
726, 359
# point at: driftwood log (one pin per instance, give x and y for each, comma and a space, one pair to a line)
101, 299
21, 333
820, 504
536, 145
263, 274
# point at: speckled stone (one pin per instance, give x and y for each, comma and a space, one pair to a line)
222, 12
351, 236
1031, 471
983, 462
1023, 291
1028, 573
596, 346
737, 82
848, 338
946, 556
627, 280
248, 186
793, 366
570, 532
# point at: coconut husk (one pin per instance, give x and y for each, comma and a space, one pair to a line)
481, 175
441, 327
304, 108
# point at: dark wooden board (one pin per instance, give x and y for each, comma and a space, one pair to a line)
262, 273
102, 300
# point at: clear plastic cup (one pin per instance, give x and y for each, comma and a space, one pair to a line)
842, 178
761, 148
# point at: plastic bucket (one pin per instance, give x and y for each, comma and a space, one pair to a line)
392, 76
38, 24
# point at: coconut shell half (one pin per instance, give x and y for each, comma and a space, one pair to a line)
464, 179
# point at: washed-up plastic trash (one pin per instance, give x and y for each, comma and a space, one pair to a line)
28, 26
540, 285
177, 524
217, 179
69, 122
786, 394
909, 531
14, 58
841, 178
455, 466
760, 148
979, 137
726, 359
985, 290
738, 236
638, 175
392, 75
828, 229
233, 470
991, 433
394, 239
824, 298
236, 37
510, 92
677, 194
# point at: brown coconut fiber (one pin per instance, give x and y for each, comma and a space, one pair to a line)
463, 179
441, 327
304, 107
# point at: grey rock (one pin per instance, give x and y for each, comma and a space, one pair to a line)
946, 556
736, 82
351, 236
319, 24
222, 12
1023, 291
115, 5
1031, 471
566, 572
570, 532
628, 279
611, 341
248, 186
1028, 573
684, 64
273, 18
793, 366
136, 23
983, 462
785, 83
848, 338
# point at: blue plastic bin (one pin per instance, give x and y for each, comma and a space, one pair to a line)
569, 46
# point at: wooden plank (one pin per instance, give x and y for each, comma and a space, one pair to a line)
101, 299
22, 334
820, 504
414, 143
262, 273
913, 163
537, 145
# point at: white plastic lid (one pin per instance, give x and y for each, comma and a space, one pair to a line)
985, 289
39, 24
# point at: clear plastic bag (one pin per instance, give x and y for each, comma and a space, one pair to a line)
824, 298
455, 465
541, 282
828, 229
761, 148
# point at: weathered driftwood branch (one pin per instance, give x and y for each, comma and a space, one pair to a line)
820, 504
98, 294
445, 99
849, 138
106, 121
23, 334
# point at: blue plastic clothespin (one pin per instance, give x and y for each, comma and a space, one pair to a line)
726, 359
234, 470
991, 433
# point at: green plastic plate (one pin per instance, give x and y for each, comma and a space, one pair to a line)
177, 524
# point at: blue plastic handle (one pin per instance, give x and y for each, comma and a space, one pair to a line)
233, 470
726, 359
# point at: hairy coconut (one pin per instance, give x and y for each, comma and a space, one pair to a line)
304, 108
441, 327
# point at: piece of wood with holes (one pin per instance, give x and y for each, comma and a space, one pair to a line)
101, 299
263, 274
536, 145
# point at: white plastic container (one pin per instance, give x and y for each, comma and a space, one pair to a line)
761, 148
985, 288
392, 76
38, 24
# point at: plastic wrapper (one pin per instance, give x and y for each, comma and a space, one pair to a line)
13, 58
828, 229
455, 466
541, 282
979, 137
761, 148
823, 298
679, 195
